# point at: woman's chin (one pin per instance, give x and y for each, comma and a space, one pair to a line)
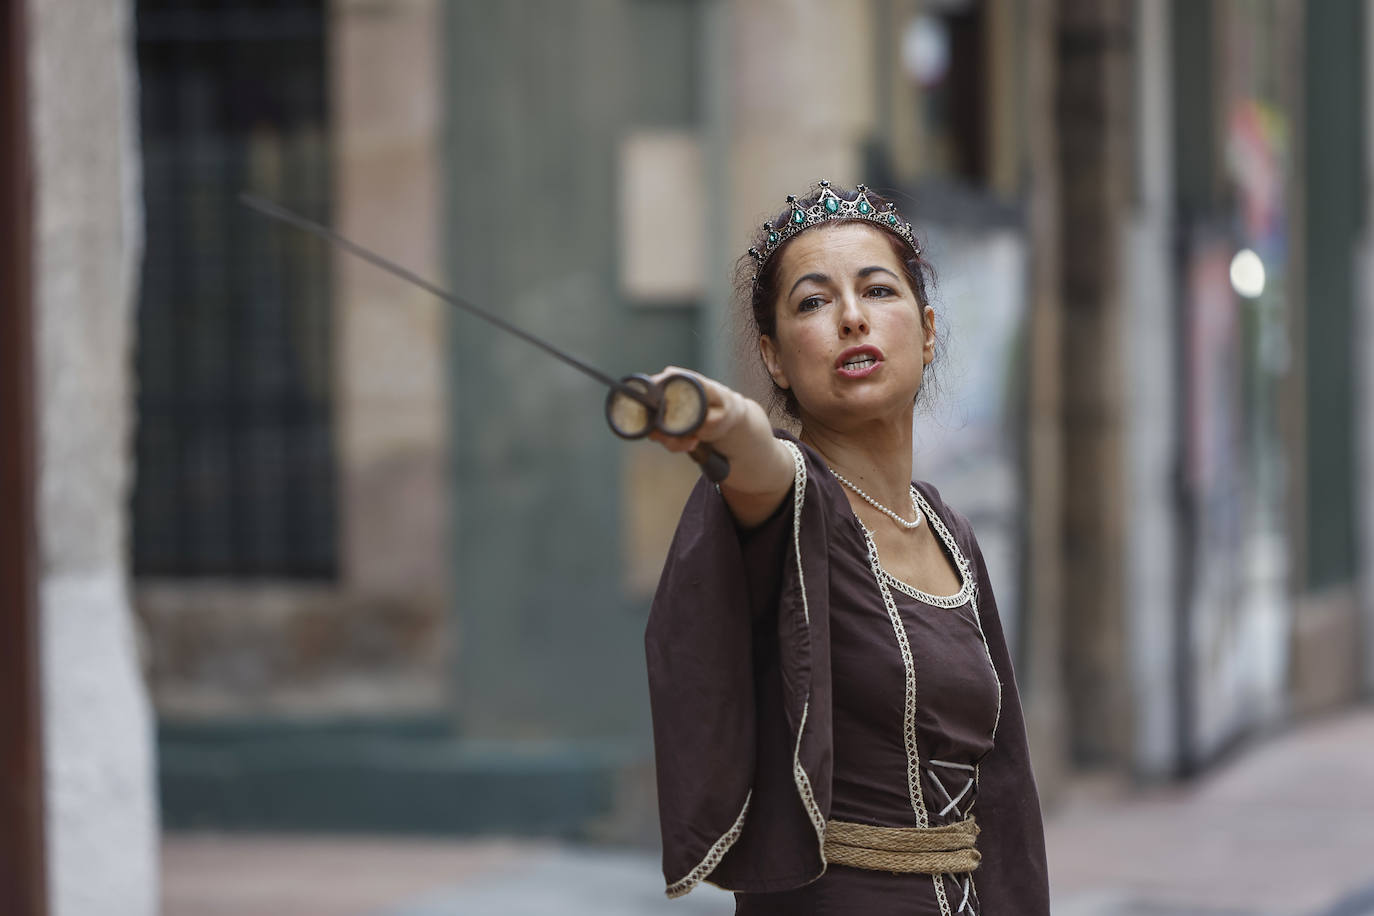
860, 408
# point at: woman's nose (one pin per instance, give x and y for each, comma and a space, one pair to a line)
852, 318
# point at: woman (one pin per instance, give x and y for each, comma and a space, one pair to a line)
836, 722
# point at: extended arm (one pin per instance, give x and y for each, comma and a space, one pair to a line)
761, 468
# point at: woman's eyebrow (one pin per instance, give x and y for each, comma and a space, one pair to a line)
874, 269
819, 278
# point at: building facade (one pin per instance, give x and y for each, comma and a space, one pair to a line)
382, 532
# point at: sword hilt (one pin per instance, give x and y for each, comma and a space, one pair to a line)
714, 465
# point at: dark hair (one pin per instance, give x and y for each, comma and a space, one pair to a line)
759, 286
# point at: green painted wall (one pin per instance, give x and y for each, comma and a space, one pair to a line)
539, 96
1334, 105
1192, 36
387, 775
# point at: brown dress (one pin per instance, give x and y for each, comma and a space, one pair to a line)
793, 680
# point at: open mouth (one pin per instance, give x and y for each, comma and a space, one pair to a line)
857, 362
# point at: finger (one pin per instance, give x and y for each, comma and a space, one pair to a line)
666, 371
715, 391
720, 417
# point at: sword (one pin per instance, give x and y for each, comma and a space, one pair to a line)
635, 405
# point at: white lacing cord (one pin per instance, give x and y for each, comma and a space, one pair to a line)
953, 801
963, 903
952, 766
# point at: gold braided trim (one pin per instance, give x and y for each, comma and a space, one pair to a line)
945, 850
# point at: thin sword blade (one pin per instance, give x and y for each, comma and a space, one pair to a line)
280, 213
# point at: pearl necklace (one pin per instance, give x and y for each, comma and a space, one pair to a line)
880, 507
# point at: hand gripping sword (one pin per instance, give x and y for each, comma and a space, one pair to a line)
635, 405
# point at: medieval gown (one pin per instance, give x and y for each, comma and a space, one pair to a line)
793, 680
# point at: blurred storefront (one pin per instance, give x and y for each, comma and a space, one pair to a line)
1267, 125
1237, 295
1235, 395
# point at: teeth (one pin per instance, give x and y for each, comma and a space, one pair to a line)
860, 362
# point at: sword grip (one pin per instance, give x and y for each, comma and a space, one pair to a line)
714, 465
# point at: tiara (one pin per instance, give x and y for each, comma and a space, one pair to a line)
830, 206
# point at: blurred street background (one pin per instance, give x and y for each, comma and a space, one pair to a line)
320, 598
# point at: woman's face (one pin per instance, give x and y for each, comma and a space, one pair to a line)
852, 341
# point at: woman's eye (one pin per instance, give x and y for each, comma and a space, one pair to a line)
810, 303
879, 292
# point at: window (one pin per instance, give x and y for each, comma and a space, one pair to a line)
235, 460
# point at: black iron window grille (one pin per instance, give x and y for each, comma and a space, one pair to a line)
235, 445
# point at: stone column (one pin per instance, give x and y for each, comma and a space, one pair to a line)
391, 355
1151, 393
1093, 99
791, 119
101, 802
1040, 676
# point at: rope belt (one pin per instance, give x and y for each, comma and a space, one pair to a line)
942, 850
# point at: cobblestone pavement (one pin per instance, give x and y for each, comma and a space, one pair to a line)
1285, 828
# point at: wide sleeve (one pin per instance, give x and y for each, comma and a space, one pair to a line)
738, 664
1012, 835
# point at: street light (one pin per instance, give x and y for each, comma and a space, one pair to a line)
1247, 274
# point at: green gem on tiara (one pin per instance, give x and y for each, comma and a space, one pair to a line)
832, 204
799, 217
892, 220
864, 207
772, 238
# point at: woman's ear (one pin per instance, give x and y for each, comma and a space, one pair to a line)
928, 324
769, 351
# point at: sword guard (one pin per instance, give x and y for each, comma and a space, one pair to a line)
630, 418
679, 410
